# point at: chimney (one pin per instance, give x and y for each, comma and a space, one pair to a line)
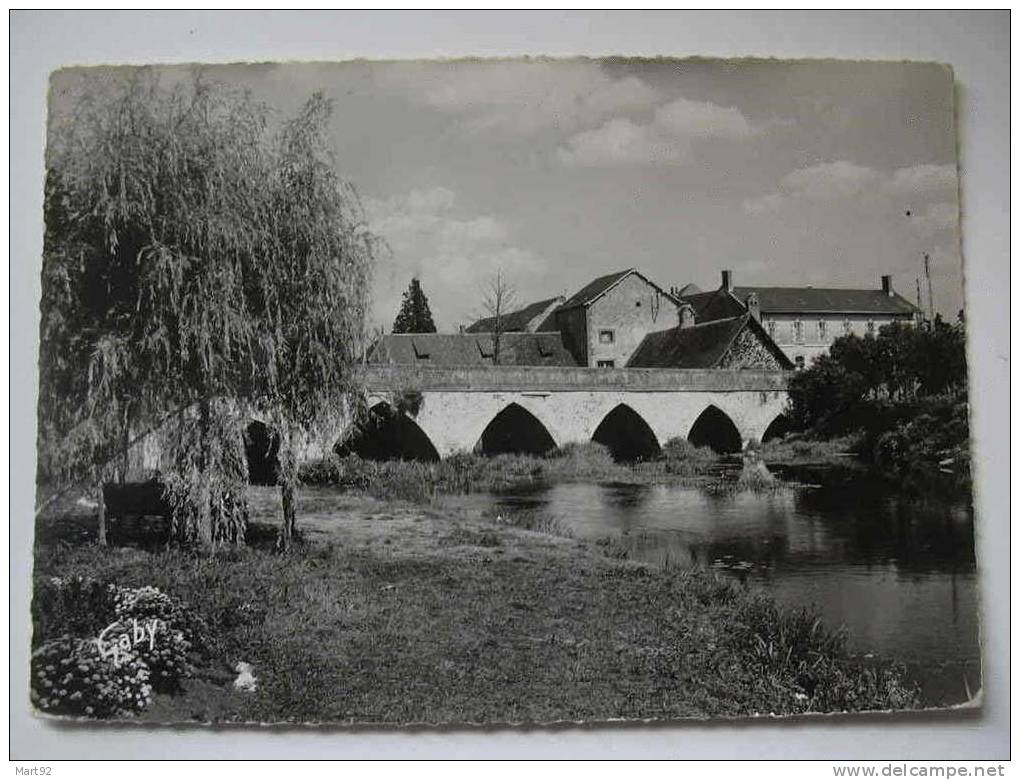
753, 306
887, 284
727, 281
686, 315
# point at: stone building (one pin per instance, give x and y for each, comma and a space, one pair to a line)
620, 320
804, 321
605, 321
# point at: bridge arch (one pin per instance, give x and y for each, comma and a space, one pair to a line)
262, 452
387, 434
714, 428
515, 430
780, 426
627, 435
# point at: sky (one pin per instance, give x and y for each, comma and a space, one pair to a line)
553, 172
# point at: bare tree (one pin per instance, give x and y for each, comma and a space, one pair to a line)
500, 298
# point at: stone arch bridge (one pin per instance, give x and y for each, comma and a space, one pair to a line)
494, 409
634, 411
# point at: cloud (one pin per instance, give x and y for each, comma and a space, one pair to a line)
924, 179
938, 216
524, 97
448, 249
667, 138
928, 192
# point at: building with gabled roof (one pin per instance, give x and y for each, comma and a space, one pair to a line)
533, 318
620, 320
735, 342
605, 321
804, 321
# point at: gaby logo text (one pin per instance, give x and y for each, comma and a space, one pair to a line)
118, 639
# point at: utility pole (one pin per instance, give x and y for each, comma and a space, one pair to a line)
931, 299
927, 274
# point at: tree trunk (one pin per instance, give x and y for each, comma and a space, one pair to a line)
204, 519
287, 530
288, 488
102, 514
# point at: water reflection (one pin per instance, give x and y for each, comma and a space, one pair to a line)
899, 573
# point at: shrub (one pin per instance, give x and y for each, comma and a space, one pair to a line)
178, 632
82, 609
681, 457
930, 449
584, 458
71, 677
79, 606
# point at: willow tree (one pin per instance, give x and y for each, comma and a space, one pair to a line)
197, 269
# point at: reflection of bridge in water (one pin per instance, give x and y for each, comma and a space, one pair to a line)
494, 409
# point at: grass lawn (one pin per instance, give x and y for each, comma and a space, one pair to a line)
399, 613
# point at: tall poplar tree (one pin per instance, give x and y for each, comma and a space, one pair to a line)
414, 315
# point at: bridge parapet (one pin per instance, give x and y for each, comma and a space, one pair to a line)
570, 378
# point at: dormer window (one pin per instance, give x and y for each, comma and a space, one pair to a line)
421, 352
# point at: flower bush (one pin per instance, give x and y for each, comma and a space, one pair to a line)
164, 640
70, 676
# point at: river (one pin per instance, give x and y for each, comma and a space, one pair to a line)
897, 572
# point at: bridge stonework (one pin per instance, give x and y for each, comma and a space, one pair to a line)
458, 403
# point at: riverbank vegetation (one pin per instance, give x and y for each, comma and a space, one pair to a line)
472, 473
898, 399
391, 612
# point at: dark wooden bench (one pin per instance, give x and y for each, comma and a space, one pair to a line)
138, 500
122, 500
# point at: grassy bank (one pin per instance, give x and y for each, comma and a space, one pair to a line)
396, 613
471, 473
797, 450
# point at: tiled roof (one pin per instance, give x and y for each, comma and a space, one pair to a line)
515, 320
698, 346
594, 289
471, 349
714, 305
827, 300
603, 284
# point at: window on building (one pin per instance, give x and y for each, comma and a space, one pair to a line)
606, 337
823, 330
847, 327
799, 362
871, 327
798, 332
606, 363
772, 329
